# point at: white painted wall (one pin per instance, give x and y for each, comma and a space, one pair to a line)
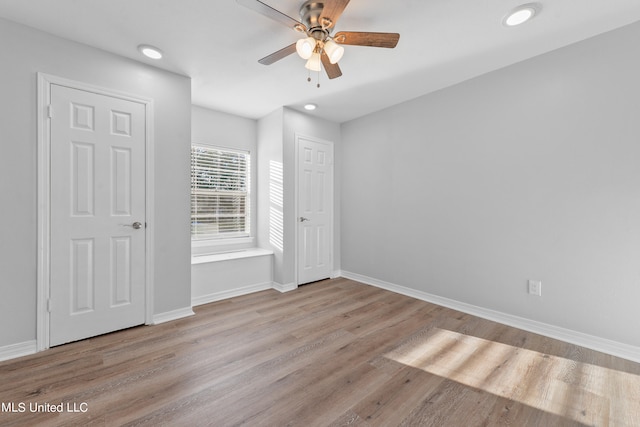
226, 277
529, 172
228, 131
222, 276
25, 52
276, 204
297, 123
270, 189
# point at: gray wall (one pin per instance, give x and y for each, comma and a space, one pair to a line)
25, 52
529, 172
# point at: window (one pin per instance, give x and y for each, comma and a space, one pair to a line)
219, 193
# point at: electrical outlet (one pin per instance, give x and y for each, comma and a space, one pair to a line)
535, 287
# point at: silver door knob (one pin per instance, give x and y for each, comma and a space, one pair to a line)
303, 219
137, 225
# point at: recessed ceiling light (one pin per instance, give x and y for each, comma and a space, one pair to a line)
150, 51
310, 107
521, 14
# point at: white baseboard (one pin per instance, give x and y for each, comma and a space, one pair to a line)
217, 296
172, 315
603, 345
284, 288
20, 349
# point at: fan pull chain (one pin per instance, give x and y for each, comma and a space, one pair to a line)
321, 51
309, 78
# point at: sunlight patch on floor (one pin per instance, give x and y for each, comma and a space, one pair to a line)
550, 383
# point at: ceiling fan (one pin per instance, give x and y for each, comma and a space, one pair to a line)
317, 21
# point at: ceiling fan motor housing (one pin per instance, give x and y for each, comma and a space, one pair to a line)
311, 15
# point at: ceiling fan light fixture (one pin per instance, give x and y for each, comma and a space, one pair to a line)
521, 14
320, 50
334, 51
150, 51
305, 47
314, 63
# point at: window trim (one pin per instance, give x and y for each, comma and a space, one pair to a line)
201, 245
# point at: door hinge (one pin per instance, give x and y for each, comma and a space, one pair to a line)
50, 111
49, 305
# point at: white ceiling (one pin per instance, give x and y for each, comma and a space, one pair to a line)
218, 43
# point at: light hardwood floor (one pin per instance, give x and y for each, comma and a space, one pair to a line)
333, 353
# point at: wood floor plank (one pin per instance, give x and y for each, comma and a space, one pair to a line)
349, 419
390, 403
335, 353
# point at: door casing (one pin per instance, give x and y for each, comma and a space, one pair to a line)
44, 82
298, 138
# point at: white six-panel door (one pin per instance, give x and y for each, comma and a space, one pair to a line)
315, 209
97, 253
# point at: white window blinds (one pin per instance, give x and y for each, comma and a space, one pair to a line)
219, 193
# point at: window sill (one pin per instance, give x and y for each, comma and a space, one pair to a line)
206, 247
229, 255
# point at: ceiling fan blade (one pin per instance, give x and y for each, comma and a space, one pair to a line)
276, 56
269, 12
333, 70
388, 40
333, 10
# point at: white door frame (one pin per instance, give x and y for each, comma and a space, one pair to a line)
44, 82
297, 139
